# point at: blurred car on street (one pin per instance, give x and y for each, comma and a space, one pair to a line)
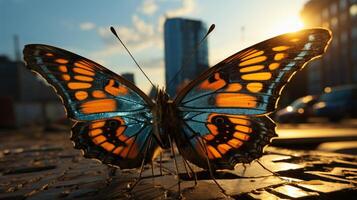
298, 111
337, 103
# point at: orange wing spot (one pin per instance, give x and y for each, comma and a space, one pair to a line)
234, 87
49, 54
261, 76
120, 120
121, 137
273, 66
61, 61
130, 147
97, 124
213, 129
66, 77
83, 65
236, 100
295, 40
108, 146
240, 121
81, 95
241, 136
223, 148
213, 151
78, 85
95, 132
235, 143
255, 87
83, 78
98, 106
218, 84
253, 55
133, 151
244, 129
280, 56
118, 150
252, 68
208, 137
281, 48
253, 61
63, 68
83, 71
115, 91
98, 94
120, 132
240, 55
99, 139
248, 52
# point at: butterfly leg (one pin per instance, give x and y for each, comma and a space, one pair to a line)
191, 170
203, 145
160, 163
176, 166
275, 174
152, 171
132, 186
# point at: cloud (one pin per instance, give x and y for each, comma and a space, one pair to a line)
149, 7
187, 7
86, 26
137, 37
141, 34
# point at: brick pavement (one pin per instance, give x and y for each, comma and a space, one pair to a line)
43, 165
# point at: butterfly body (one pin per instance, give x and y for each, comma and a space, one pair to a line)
165, 120
217, 120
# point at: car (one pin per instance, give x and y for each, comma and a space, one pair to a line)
337, 103
298, 111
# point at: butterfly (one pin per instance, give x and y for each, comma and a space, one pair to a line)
216, 121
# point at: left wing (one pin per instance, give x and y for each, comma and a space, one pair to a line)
224, 111
113, 117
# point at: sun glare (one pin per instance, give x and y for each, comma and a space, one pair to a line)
288, 25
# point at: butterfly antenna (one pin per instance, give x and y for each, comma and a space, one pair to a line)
116, 35
211, 28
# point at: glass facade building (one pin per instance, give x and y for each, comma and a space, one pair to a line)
339, 65
181, 39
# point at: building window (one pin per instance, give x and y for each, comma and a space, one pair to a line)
353, 10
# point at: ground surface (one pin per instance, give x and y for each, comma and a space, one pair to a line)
36, 164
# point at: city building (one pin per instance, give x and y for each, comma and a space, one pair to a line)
129, 77
184, 59
339, 65
24, 98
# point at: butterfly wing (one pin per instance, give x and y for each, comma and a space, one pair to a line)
246, 85
113, 117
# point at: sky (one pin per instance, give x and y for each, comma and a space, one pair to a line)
82, 26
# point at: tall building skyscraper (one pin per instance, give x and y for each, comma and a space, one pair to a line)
181, 39
339, 65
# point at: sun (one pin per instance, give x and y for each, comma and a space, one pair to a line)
290, 24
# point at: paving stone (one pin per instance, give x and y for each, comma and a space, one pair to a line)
47, 167
325, 186
294, 192
262, 194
